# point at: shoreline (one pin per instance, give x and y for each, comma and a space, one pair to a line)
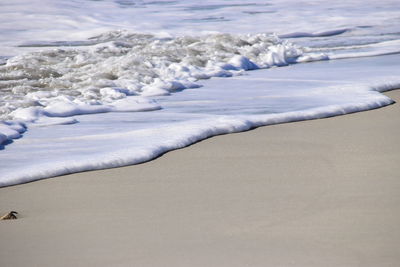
310, 193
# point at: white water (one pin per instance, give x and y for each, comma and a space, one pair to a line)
97, 84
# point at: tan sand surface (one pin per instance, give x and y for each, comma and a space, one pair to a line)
315, 193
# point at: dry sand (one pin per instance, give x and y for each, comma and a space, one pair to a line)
314, 193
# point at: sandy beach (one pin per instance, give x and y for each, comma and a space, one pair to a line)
313, 193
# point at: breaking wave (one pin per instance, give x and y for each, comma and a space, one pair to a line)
69, 81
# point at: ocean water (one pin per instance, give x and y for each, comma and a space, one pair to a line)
97, 84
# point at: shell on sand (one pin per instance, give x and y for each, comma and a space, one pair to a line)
12, 215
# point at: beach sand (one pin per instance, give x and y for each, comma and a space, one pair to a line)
314, 193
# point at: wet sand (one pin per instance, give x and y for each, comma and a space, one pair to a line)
314, 193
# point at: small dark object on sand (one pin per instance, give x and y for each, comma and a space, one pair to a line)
12, 215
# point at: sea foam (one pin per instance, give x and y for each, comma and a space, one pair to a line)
68, 82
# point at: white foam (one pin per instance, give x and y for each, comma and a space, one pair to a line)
63, 107
10, 130
83, 81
